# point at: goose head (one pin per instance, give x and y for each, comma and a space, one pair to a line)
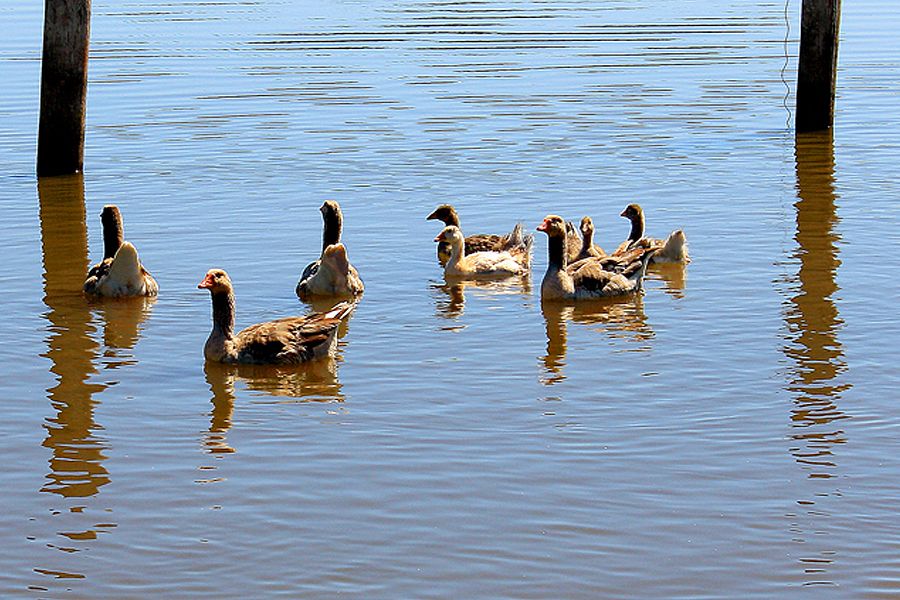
330, 208
216, 281
632, 211
587, 227
553, 226
446, 214
450, 234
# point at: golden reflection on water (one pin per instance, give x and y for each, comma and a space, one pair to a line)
315, 381
450, 297
76, 467
221, 383
811, 315
619, 318
122, 319
673, 276
812, 346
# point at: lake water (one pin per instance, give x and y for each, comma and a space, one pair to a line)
732, 433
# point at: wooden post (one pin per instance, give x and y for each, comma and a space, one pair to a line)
817, 70
63, 87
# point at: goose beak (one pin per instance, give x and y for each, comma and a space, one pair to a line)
207, 283
432, 216
440, 237
542, 226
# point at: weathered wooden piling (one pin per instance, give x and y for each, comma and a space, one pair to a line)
63, 87
817, 69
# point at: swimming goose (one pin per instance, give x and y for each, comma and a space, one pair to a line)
671, 250
120, 273
591, 277
291, 340
482, 242
332, 274
514, 261
588, 248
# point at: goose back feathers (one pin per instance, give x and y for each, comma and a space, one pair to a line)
332, 274
290, 340
482, 242
120, 272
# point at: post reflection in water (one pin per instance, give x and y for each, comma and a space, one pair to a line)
76, 467
812, 324
811, 316
619, 318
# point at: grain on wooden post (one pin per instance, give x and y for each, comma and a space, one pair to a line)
817, 69
63, 87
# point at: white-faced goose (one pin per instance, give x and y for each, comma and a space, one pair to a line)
482, 242
332, 274
591, 277
120, 273
291, 340
513, 261
673, 249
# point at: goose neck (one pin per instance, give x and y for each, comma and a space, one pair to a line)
637, 227
331, 232
113, 232
223, 313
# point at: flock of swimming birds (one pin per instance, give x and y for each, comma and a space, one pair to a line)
578, 269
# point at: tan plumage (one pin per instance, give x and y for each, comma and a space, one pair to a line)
574, 242
120, 273
588, 248
474, 243
673, 249
332, 274
514, 261
590, 277
291, 340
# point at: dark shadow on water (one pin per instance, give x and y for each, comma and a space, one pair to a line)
76, 466
619, 320
817, 363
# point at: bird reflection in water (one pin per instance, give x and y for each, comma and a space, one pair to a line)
76, 465
621, 319
122, 320
315, 381
450, 295
673, 276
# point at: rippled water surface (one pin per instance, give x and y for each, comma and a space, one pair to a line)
733, 432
